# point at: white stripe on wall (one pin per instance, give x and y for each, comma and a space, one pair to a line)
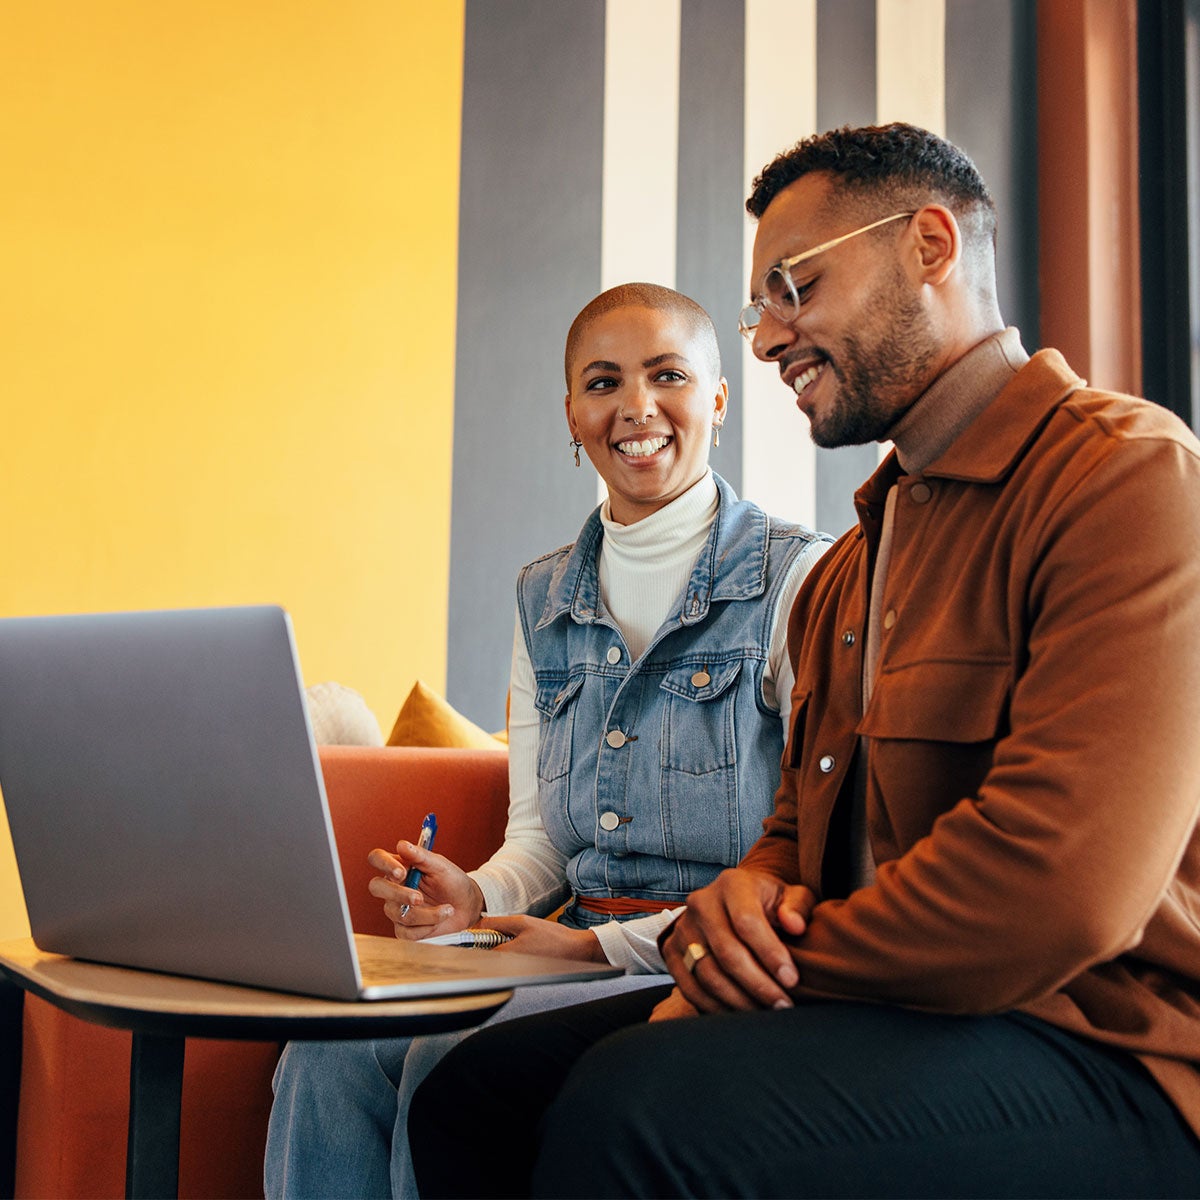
641, 146
641, 141
910, 63
778, 457
910, 71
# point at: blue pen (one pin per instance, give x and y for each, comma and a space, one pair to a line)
424, 842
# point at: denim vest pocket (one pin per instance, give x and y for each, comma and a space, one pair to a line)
554, 702
704, 691
701, 818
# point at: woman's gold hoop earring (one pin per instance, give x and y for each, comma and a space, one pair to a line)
575, 445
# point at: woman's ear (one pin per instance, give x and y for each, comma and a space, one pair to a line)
721, 401
938, 242
570, 417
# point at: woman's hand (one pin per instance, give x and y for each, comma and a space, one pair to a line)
536, 935
448, 899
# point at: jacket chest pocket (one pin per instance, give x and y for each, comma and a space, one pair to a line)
933, 729
940, 700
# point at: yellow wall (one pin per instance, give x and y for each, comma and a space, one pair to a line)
227, 319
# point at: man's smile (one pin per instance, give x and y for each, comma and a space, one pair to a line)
807, 377
800, 376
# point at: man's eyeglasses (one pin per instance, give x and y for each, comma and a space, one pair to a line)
779, 294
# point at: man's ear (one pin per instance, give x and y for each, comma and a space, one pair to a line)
938, 244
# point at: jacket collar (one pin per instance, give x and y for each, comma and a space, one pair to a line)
989, 448
732, 565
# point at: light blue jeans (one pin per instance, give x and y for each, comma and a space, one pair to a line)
339, 1124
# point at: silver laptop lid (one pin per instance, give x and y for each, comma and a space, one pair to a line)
165, 799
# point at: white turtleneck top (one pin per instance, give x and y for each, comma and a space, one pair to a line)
643, 569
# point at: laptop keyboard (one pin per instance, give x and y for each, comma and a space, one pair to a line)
377, 966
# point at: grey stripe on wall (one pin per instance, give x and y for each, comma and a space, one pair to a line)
845, 96
529, 259
991, 112
708, 260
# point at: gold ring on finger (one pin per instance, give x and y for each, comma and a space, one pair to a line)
692, 955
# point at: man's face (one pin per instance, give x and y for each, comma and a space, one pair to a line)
862, 348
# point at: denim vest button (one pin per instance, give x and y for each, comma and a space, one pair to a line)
615, 738
614, 654
609, 821
827, 763
701, 679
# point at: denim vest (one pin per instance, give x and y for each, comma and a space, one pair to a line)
655, 775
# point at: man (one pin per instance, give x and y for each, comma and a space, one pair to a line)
964, 958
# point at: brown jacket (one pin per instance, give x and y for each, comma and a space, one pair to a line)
1033, 774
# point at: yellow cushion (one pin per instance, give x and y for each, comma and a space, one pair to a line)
427, 720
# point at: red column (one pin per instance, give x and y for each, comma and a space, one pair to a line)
1087, 187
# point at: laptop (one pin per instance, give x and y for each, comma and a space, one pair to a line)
168, 811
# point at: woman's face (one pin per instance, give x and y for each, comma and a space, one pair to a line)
643, 401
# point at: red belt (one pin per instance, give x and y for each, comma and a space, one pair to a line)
620, 906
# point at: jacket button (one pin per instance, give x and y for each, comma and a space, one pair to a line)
889, 618
614, 654
826, 762
921, 493
701, 679
609, 821
615, 738
848, 638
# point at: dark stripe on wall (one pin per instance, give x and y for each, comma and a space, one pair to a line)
991, 113
845, 63
845, 96
529, 259
710, 214
1168, 152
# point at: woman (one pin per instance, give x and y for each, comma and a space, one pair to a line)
649, 696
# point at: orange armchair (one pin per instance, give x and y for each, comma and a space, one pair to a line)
74, 1097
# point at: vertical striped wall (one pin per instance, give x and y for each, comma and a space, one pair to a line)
603, 142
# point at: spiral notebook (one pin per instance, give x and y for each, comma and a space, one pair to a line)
168, 811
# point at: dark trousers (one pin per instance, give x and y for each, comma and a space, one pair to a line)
827, 1099
11, 1008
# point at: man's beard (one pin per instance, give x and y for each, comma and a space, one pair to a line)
878, 383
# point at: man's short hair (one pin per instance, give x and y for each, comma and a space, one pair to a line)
646, 295
897, 167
